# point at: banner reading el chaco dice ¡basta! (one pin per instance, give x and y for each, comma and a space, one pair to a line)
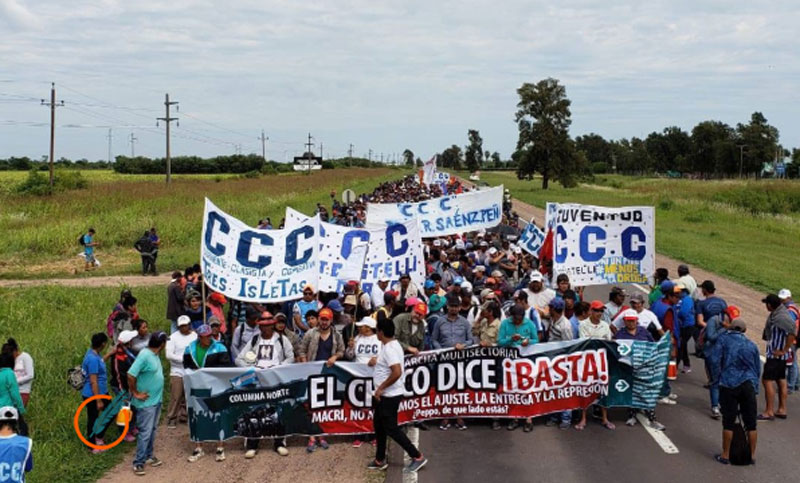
476, 382
597, 245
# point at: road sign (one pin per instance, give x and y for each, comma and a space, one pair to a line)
348, 196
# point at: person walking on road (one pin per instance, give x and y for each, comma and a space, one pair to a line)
389, 381
517, 331
561, 330
687, 281
88, 249
452, 330
596, 327
780, 335
792, 373
715, 327
737, 372
684, 309
146, 384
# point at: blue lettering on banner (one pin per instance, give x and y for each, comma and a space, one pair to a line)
245, 245
391, 248
561, 235
292, 245
586, 253
627, 243
224, 227
347, 241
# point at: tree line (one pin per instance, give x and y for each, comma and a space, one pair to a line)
712, 149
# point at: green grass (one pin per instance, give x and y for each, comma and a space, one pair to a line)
54, 325
726, 227
38, 235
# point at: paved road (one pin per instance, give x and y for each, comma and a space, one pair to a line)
627, 454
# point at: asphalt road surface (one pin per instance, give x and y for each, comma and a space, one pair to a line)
628, 454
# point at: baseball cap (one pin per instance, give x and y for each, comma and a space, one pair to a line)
205, 330
497, 274
218, 298
212, 321
733, 312
478, 268
421, 309
326, 314
127, 335
557, 304
597, 305
9, 413
536, 276
436, 303
429, 284
368, 321
784, 294
411, 301
466, 286
335, 305
184, 320
637, 297
771, 299
492, 251
630, 314
708, 285
667, 286
739, 324
617, 291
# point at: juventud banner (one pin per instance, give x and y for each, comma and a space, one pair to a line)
477, 382
597, 245
254, 265
391, 251
446, 215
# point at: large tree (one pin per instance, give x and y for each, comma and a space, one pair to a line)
451, 157
543, 120
408, 156
759, 142
713, 149
473, 153
596, 149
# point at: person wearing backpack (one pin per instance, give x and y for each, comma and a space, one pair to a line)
145, 248
271, 349
739, 365
245, 332
88, 244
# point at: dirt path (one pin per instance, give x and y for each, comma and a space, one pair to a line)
341, 463
90, 282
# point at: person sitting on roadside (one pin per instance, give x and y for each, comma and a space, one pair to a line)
596, 328
738, 370
517, 331
203, 352
322, 343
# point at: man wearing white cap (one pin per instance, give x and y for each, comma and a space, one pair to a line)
16, 457
176, 347
794, 312
365, 347
539, 297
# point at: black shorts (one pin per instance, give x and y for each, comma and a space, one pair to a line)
735, 401
774, 370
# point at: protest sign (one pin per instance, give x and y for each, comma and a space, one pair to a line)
429, 171
443, 216
477, 382
531, 239
597, 245
390, 252
254, 265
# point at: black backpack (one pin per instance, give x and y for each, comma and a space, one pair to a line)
81, 241
740, 446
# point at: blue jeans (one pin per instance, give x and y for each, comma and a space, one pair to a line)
792, 372
147, 422
562, 417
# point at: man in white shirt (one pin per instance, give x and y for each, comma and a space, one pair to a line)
176, 346
595, 328
647, 319
389, 382
376, 294
539, 297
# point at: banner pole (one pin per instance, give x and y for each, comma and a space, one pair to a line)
203, 289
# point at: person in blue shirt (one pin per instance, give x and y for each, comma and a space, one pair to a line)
686, 320
96, 382
518, 331
705, 309
738, 376
16, 456
715, 327
88, 249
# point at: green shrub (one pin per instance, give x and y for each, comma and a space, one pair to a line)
600, 167
666, 204
327, 165
38, 184
252, 175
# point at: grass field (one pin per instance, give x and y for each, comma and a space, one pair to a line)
54, 325
38, 235
746, 231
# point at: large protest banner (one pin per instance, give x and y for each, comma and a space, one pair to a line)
254, 265
477, 382
443, 216
597, 245
391, 251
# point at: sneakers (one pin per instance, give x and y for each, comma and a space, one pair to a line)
667, 400
138, 470
196, 455
357, 443
496, 425
512, 425
172, 424
444, 426
281, 450
129, 438
631, 421
715, 412
657, 426
564, 425
673, 396
322, 443
527, 427
249, 454
416, 464
461, 426
686, 370
312, 446
99, 442
378, 465
220, 456
154, 462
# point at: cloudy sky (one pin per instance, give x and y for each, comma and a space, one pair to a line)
382, 75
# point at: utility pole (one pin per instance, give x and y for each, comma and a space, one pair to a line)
350, 156
52, 104
168, 120
110, 137
381, 158
370, 155
264, 140
321, 151
132, 140
310, 155
741, 157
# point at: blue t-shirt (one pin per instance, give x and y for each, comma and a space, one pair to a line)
87, 239
93, 364
149, 378
710, 307
16, 458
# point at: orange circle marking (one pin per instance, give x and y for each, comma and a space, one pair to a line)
78, 430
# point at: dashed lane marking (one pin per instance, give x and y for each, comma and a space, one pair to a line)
413, 436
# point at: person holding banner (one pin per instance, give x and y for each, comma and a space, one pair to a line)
410, 329
389, 382
452, 330
595, 328
560, 330
308, 302
518, 331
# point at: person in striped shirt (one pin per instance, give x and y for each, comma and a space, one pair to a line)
780, 335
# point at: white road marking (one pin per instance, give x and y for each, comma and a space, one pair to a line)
643, 289
661, 439
413, 435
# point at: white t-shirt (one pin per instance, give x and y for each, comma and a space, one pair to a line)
589, 330
646, 318
270, 352
176, 346
541, 299
376, 296
391, 354
367, 347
